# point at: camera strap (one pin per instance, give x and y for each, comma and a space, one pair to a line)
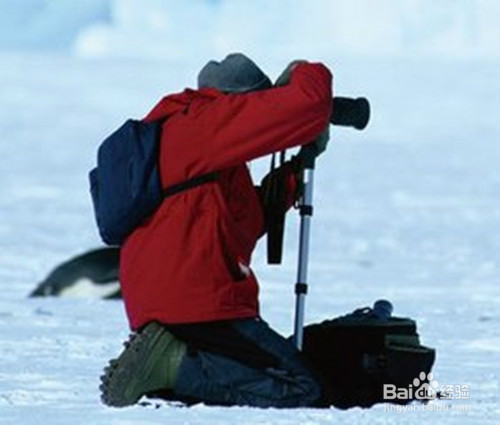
275, 211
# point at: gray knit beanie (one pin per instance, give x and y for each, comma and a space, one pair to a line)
235, 74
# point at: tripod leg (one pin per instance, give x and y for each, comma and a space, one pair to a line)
306, 209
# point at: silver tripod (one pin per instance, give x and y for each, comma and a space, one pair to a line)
306, 210
347, 112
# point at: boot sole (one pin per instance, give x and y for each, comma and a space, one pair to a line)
128, 377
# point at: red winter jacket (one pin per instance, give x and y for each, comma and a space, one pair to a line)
190, 262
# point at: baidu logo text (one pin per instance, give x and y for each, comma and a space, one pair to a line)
424, 388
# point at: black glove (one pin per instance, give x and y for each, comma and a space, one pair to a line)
308, 153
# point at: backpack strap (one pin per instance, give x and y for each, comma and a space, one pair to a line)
189, 184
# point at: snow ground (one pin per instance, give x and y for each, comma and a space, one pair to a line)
408, 210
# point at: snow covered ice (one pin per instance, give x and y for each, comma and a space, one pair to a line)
408, 209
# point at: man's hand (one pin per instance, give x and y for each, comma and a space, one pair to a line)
284, 78
308, 153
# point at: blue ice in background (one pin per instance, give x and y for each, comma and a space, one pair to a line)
174, 29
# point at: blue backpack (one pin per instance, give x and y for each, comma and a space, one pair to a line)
125, 186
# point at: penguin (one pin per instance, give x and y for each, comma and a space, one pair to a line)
93, 274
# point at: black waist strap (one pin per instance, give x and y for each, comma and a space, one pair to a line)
189, 184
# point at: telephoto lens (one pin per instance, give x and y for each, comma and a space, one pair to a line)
350, 112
